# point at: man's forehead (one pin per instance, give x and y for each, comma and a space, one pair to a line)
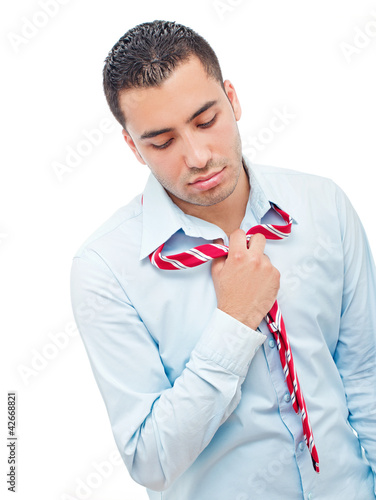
187, 90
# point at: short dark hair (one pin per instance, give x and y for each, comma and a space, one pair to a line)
147, 54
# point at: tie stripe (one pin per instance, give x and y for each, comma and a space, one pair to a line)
190, 258
203, 253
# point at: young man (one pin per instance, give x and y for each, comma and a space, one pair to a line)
199, 411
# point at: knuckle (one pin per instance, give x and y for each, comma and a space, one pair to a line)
256, 261
266, 262
238, 256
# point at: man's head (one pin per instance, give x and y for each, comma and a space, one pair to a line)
164, 84
147, 54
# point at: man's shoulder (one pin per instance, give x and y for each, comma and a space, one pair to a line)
125, 221
283, 180
271, 171
297, 192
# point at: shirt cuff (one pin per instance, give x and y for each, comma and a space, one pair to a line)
229, 343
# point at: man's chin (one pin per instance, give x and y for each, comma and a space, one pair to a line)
204, 199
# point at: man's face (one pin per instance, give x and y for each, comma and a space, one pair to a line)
186, 132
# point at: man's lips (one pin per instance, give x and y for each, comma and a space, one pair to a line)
207, 182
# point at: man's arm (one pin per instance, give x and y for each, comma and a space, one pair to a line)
355, 354
159, 429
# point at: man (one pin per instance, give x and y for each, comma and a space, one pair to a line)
189, 370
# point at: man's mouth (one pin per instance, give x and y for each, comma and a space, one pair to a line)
209, 181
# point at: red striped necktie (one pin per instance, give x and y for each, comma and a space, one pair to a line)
203, 253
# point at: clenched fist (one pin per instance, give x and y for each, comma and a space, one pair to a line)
245, 281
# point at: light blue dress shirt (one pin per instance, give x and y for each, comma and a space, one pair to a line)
197, 401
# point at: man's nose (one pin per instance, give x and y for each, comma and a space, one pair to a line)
196, 151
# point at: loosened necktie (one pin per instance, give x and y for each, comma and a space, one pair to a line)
203, 253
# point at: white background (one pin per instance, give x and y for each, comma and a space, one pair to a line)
292, 55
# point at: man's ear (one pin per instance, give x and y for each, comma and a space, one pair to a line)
233, 98
128, 139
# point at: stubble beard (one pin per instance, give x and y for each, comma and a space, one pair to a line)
216, 194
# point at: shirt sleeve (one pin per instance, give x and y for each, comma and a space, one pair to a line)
355, 354
159, 429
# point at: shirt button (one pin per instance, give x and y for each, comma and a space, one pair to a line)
287, 397
309, 497
271, 343
301, 445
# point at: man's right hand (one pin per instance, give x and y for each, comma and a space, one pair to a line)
245, 281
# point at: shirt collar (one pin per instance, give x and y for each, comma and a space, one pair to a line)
162, 218
265, 191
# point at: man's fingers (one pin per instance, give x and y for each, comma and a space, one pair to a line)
217, 265
238, 248
237, 243
219, 262
257, 243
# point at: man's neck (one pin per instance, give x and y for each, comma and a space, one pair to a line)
229, 213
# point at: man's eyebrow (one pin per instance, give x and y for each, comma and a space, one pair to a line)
202, 109
154, 133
